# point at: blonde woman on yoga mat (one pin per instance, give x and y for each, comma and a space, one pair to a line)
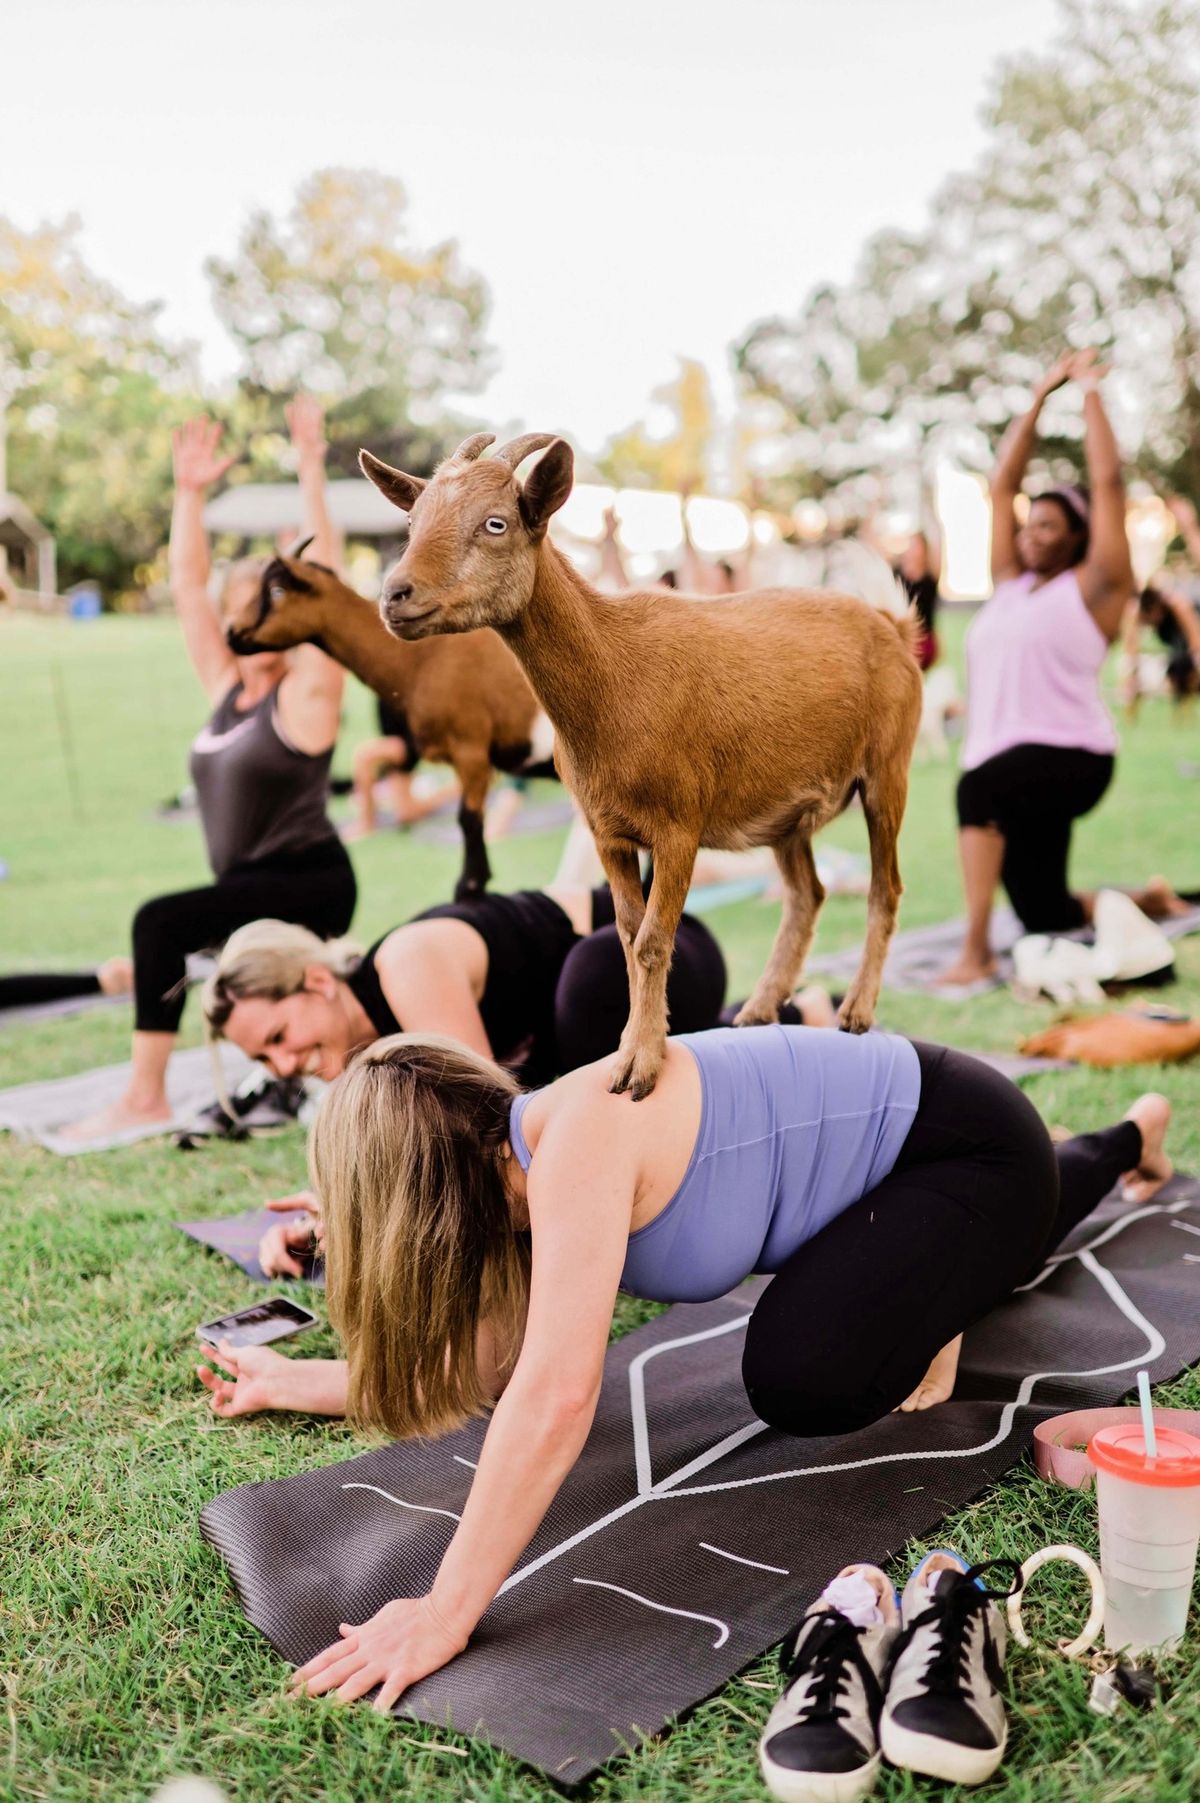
476, 1238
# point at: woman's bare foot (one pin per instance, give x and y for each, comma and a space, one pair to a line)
1152, 1114
1160, 901
937, 1385
967, 969
115, 976
118, 1117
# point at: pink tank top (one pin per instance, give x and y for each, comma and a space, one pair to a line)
1034, 657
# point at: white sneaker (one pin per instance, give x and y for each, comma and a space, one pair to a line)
943, 1714
821, 1744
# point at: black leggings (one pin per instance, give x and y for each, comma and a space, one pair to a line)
1034, 794
977, 1200
49, 986
591, 1002
314, 889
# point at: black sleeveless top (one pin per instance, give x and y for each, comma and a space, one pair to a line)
259, 796
528, 937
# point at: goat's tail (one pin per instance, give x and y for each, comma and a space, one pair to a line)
908, 625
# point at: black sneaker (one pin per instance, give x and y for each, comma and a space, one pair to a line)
261, 1104
821, 1742
944, 1714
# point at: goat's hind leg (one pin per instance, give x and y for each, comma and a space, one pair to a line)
802, 897
883, 805
643, 1043
474, 773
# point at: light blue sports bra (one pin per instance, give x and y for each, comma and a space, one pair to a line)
796, 1123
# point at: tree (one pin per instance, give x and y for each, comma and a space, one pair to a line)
92, 393
1080, 224
677, 458
333, 299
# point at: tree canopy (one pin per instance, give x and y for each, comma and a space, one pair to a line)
1080, 224
334, 298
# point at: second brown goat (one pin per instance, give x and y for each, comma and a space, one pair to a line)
751, 720
466, 701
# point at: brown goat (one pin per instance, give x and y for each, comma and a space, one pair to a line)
744, 721
465, 701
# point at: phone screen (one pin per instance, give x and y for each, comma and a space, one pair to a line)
259, 1324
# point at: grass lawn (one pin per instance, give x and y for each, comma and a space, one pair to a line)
124, 1656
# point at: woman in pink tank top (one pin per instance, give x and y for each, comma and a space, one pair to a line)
1040, 745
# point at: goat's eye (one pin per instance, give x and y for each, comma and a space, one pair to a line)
276, 592
495, 525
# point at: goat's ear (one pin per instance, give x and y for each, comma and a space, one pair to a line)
401, 490
279, 574
547, 486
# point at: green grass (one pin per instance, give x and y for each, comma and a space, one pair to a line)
125, 1658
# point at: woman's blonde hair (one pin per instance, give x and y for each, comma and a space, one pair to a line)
267, 959
236, 571
408, 1155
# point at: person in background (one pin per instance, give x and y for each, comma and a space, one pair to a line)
1040, 746
260, 767
391, 758
1173, 616
918, 572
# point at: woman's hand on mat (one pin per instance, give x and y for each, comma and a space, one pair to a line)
399, 1646
255, 1378
278, 1244
937, 1385
198, 461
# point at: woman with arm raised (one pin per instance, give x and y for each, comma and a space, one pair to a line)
261, 770
1040, 745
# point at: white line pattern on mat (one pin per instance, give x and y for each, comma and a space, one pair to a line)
423, 1508
738, 1559
663, 1608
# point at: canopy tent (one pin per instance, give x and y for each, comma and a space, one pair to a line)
266, 509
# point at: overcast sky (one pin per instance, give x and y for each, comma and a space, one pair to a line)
636, 180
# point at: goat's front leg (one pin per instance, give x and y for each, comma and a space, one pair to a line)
624, 873
802, 897
474, 772
644, 1041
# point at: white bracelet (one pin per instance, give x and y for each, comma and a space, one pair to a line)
1070, 1649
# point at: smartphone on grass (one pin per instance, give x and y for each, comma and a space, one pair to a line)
258, 1325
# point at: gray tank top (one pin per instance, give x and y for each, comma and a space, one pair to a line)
259, 796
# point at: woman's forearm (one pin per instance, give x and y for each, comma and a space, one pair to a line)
527, 1452
1100, 450
312, 1386
1016, 448
326, 547
188, 553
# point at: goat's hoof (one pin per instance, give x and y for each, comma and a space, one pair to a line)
856, 1019
468, 891
748, 1016
637, 1074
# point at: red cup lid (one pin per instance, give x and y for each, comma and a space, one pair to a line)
1122, 1451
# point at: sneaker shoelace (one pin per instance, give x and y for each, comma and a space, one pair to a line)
952, 1611
826, 1652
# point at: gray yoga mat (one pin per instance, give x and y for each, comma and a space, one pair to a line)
35, 1110
547, 816
689, 1538
60, 1009
237, 1237
917, 957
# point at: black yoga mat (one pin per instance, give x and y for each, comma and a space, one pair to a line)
237, 1237
689, 1538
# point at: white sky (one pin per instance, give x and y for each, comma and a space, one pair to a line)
635, 180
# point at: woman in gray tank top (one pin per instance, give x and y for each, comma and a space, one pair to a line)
261, 771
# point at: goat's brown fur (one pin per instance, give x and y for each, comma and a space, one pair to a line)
750, 720
466, 700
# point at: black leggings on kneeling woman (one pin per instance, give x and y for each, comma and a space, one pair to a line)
977, 1200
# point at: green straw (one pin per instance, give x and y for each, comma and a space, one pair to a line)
1143, 1386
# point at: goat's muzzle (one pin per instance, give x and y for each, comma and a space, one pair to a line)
402, 619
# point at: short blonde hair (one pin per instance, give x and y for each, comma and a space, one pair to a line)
408, 1154
268, 959
227, 575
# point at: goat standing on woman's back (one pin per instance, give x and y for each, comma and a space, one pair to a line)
750, 720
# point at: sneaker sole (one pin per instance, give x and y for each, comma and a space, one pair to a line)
935, 1758
791, 1786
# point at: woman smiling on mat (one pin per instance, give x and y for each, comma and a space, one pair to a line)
536, 980
476, 1239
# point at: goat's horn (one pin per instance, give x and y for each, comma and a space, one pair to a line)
301, 545
473, 447
518, 449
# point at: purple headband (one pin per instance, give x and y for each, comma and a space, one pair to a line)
1075, 499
